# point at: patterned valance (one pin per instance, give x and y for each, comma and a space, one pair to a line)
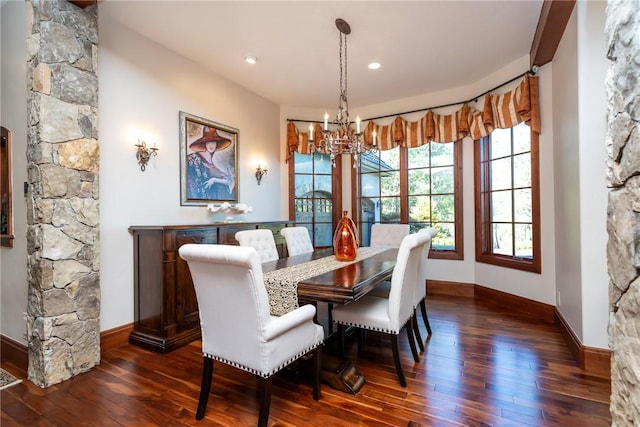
499, 112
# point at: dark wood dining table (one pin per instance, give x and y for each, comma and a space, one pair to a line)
342, 285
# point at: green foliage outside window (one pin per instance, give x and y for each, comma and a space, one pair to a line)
430, 198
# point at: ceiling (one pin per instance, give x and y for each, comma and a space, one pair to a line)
423, 46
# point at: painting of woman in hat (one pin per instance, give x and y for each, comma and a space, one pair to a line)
211, 167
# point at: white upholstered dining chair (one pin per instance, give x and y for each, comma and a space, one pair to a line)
420, 294
262, 241
386, 236
389, 315
297, 239
237, 328
421, 284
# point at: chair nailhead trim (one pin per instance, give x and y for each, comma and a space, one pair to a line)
386, 331
263, 374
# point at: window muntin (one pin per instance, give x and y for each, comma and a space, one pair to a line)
507, 199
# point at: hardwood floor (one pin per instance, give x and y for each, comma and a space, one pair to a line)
483, 366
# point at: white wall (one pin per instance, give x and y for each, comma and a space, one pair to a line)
566, 157
13, 115
579, 107
142, 87
592, 69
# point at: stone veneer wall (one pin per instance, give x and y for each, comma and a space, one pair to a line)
63, 312
623, 213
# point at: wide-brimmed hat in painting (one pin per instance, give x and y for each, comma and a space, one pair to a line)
209, 134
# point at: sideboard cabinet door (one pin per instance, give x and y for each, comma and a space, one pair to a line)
165, 305
186, 302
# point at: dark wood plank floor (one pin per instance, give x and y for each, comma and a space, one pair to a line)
483, 366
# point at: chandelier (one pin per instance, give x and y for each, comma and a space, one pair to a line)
342, 139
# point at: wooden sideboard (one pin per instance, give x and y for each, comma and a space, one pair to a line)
165, 305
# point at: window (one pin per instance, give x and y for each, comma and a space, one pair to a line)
507, 199
432, 192
6, 202
379, 198
419, 186
313, 201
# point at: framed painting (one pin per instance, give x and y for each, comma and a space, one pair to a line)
208, 161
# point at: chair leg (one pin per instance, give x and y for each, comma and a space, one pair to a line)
340, 339
423, 307
317, 366
265, 402
412, 342
205, 387
330, 317
362, 338
416, 330
395, 346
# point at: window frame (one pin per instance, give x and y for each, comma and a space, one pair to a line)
458, 252
6, 186
482, 201
336, 195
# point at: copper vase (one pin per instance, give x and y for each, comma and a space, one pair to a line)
345, 239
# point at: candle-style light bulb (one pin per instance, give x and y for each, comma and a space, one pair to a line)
326, 121
357, 124
374, 137
311, 132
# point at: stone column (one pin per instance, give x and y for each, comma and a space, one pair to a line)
623, 213
63, 313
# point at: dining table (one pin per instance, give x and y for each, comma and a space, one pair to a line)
318, 277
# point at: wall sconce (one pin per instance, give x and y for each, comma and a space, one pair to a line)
143, 154
260, 172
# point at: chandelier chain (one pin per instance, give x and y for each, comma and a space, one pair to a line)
342, 139
343, 87
341, 67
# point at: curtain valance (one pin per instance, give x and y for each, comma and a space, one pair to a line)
499, 112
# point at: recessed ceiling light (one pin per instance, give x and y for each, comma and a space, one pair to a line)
250, 59
374, 65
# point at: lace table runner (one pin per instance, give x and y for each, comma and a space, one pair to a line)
282, 285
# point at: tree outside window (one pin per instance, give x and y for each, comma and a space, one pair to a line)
417, 186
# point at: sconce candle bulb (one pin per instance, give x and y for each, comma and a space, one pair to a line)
144, 153
260, 172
